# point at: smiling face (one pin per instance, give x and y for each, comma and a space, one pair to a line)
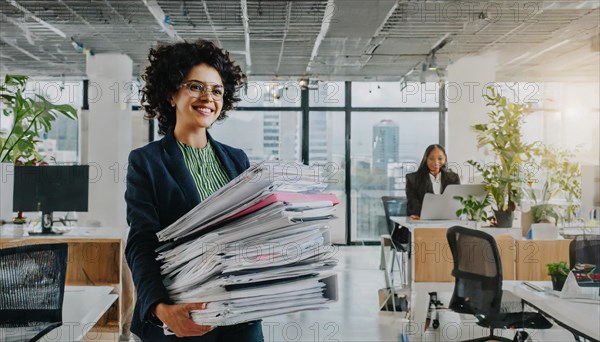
197, 114
435, 161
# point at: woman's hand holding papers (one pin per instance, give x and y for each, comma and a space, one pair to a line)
177, 318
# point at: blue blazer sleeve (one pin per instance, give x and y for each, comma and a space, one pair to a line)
144, 221
160, 189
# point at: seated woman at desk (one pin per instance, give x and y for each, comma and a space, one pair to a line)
432, 176
188, 87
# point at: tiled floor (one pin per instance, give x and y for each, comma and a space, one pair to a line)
356, 316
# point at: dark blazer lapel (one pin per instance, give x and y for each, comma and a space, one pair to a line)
223, 157
445, 181
173, 160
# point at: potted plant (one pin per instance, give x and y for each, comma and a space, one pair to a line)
31, 117
561, 180
502, 134
473, 209
558, 272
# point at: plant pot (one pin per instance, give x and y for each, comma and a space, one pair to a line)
558, 281
504, 219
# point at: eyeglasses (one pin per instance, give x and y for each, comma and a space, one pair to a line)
198, 89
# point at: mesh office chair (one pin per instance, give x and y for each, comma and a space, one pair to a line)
585, 249
400, 242
478, 285
32, 279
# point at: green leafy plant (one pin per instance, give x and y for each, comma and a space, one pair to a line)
32, 116
558, 271
473, 208
560, 177
502, 134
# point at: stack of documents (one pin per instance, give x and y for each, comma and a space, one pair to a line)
258, 247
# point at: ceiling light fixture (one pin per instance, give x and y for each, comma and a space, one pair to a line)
433, 62
303, 83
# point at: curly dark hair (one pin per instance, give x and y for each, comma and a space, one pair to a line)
168, 66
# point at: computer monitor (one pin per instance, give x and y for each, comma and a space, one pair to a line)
51, 188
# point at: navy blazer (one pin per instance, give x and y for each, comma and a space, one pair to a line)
418, 185
160, 189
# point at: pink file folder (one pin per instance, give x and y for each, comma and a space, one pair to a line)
289, 197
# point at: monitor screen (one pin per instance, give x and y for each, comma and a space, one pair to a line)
51, 188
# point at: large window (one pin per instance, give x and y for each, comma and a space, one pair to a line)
327, 151
390, 127
385, 146
262, 135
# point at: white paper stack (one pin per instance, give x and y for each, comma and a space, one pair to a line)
258, 247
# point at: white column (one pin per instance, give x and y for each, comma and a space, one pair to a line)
467, 80
108, 139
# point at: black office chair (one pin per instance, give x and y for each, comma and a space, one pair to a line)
396, 206
585, 249
32, 279
400, 242
478, 285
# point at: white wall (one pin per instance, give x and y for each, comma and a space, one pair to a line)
467, 79
109, 138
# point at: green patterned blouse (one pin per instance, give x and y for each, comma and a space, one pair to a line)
205, 167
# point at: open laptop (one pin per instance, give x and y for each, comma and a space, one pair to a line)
444, 206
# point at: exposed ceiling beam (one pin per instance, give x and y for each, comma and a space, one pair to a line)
245, 21
210, 22
327, 15
377, 38
21, 26
23, 51
285, 33
110, 41
159, 15
34, 17
127, 22
529, 22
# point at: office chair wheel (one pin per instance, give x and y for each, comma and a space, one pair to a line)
522, 336
436, 323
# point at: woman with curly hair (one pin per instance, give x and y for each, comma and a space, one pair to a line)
188, 87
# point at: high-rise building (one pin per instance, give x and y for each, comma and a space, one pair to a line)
319, 150
271, 133
386, 143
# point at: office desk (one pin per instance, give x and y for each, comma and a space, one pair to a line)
431, 256
95, 259
579, 318
521, 259
574, 316
82, 307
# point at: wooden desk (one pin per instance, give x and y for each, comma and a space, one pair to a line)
533, 255
521, 259
433, 260
82, 307
95, 259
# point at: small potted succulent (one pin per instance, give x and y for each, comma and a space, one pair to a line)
558, 271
